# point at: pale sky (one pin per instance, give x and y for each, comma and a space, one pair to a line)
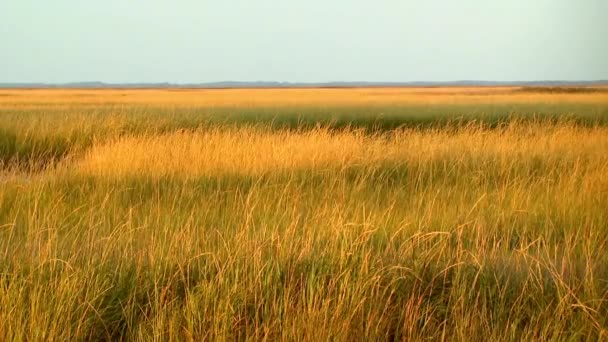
191, 41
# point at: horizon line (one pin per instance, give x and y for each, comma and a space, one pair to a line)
291, 84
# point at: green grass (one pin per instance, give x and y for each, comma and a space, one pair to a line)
472, 244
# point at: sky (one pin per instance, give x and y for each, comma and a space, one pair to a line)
194, 41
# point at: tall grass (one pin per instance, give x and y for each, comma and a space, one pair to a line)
146, 230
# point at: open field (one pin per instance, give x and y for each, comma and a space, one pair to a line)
304, 214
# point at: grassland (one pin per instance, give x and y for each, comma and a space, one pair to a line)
311, 214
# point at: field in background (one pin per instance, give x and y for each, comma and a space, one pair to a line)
398, 213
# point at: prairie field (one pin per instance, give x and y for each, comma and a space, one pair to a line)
304, 214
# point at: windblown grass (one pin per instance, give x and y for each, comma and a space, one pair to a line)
250, 151
159, 225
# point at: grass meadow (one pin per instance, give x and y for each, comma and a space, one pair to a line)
304, 214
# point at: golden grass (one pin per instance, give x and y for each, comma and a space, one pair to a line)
163, 228
253, 151
68, 98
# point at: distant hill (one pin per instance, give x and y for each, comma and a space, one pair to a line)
237, 84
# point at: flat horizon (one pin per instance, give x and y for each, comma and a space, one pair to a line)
297, 84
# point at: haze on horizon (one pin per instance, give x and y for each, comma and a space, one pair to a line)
302, 41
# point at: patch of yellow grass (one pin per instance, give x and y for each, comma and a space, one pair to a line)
252, 151
239, 151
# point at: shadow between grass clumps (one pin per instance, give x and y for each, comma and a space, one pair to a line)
561, 90
35, 153
385, 119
